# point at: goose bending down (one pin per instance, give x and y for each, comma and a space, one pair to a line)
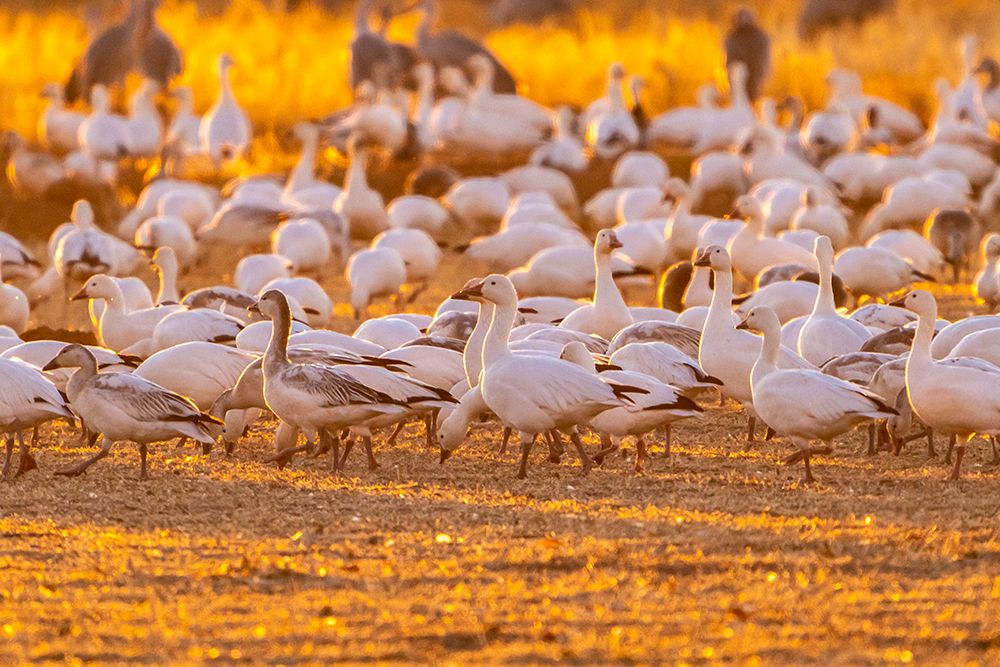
304, 242
185, 326
143, 125
535, 394
666, 363
826, 333
254, 271
225, 130
127, 407
752, 251
956, 396
657, 405
28, 399
198, 370
987, 282
725, 352
875, 272
314, 398
805, 404
14, 308
607, 314
103, 135
420, 255
954, 232
359, 204
375, 273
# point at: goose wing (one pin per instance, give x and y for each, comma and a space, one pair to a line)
143, 400
824, 398
332, 387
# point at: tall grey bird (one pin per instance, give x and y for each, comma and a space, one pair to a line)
450, 48
135, 43
747, 43
373, 57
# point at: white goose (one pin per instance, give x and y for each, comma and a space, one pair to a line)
607, 314
805, 404
315, 302
254, 271
225, 130
359, 204
305, 242
14, 308
118, 328
165, 231
953, 396
103, 135
58, 127
517, 244
987, 282
874, 272
375, 273
16, 260
559, 272
752, 251
725, 352
28, 399
303, 189
612, 132
535, 394
143, 125
185, 127
198, 370
421, 255
564, 151
123, 406
826, 333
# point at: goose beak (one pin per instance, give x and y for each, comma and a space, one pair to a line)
704, 259
900, 302
743, 326
254, 309
52, 365
445, 455
469, 293
80, 295
614, 243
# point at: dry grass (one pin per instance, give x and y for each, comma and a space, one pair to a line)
718, 554
293, 66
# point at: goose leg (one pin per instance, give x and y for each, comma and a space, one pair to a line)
372, 463
395, 433
143, 470
27, 462
996, 454
871, 440
580, 452
667, 440
336, 450
34, 437
751, 429
607, 447
283, 456
9, 453
526, 444
504, 440
347, 450
181, 441
556, 448
956, 472
951, 446
640, 454
931, 452
81, 467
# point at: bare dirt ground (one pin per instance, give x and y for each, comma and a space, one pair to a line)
716, 555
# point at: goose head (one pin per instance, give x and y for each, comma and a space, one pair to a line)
272, 304
305, 132
920, 302
470, 291
716, 257
990, 247
606, 242
71, 356
823, 249
52, 92
749, 207
761, 319
616, 72
100, 286
82, 214
744, 18
495, 288
184, 96
991, 69
225, 62
164, 261
576, 353
99, 99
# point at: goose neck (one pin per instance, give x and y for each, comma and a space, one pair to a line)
167, 292
825, 303
80, 377
920, 353
605, 290
304, 171
721, 308
473, 356
276, 353
495, 345
767, 362
356, 171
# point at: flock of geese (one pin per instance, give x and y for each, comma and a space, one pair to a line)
835, 213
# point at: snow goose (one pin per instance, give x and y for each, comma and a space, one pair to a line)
535, 394
477, 201
805, 404
723, 127
143, 124
242, 224
185, 127
58, 127
420, 254
725, 352
304, 242
955, 396
987, 282
531, 178
198, 370
184, 326
127, 407
682, 337
373, 273
84, 250
643, 245
874, 272
613, 131
16, 261
515, 245
119, 328
822, 217
829, 132
307, 293
31, 173
766, 159
666, 363
136, 293
254, 271
954, 232
607, 314
302, 187
418, 212
637, 169
103, 135
387, 332
752, 252
680, 126
315, 398
225, 130
826, 333
983, 344
845, 88
881, 317
14, 308
194, 202
29, 399
560, 272
909, 201
657, 405
789, 299
167, 232
950, 335
564, 151
912, 247
359, 204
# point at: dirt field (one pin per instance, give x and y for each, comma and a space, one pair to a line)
717, 555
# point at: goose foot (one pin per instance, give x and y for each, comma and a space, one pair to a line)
283, 456
181, 441
206, 448
607, 448
347, 450
581, 453
81, 467
769, 434
229, 447
956, 471
556, 448
395, 434
667, 441
522, 471
8, 454
504, 441
640, 455
335, 447
315, 451
951, 446
370, 452
26, 464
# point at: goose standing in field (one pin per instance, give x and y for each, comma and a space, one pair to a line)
752, 251
58, 127
607, 314
956, 396
987, 282
143, 124
185, 127
821, 217
84, 250
254, 271
359, 204
613, 132
920, 253
312, 397
420, 254
375, 273
167, 231
535, 394
725, 352
28, 399
14, 308
875, 272
127, 407
955, 233
725, 126
315, 303
302, 187
748, 43
225, 130
805, 404
199, 370
103, 134
304, 242
119, 328
658, 405
826, 333
373, 58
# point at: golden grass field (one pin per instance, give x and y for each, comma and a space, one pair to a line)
717, 555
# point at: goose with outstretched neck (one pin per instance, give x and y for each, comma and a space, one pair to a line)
608, 313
